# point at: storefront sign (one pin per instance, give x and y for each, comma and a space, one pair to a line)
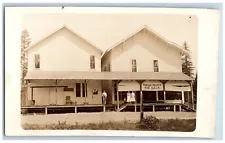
152, 86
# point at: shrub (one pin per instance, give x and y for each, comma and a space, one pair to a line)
149, 123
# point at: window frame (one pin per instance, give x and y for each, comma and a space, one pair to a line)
92, 62
134, 65
155, 65
39, 61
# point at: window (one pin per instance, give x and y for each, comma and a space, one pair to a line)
37, 61
161, 95
95, 92
78, 91
149, 96
92, 62
68, 89
83, 89
134, 65
187, 96
156, 66
173, 95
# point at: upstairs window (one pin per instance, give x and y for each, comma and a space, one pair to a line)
37, 61
134, 65
156, 66
92, 62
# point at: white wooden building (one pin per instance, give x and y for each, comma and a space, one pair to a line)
64, 68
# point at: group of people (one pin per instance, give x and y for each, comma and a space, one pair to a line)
130, 97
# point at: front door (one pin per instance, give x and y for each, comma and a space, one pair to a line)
96, 97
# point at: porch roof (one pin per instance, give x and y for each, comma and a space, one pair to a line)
80, 75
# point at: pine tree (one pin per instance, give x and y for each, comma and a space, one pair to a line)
25, 42
187, 66
195, 87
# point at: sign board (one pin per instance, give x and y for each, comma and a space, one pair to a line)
177, 86
128, 86
152, 86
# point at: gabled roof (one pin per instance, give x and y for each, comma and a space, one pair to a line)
151, 31
64, 26
87, 75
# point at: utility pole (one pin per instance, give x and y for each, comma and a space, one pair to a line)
141, 102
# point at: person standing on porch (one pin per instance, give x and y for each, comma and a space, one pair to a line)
128, 97
132, 97
104, 96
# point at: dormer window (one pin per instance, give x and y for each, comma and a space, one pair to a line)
156, 66
134, 65
37, 61
92, 62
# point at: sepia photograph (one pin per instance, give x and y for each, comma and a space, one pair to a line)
101, 71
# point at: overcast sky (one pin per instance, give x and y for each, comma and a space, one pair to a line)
105, 30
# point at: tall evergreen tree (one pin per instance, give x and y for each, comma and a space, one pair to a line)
195, 87
187, 66
25, 42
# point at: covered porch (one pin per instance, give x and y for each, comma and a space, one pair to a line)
114, 91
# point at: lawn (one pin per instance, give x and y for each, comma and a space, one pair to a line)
148, 124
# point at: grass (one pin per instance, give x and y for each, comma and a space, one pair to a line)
150, 124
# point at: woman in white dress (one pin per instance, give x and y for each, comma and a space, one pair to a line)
132, 99
128, 97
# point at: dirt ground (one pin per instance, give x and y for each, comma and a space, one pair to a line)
84, 118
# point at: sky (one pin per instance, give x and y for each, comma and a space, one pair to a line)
107, 29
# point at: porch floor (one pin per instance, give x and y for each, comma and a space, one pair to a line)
62, 109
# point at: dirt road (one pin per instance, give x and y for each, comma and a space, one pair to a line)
83, 118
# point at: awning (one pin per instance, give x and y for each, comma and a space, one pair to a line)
80, 75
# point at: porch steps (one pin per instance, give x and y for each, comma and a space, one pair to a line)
122, 107
188, 108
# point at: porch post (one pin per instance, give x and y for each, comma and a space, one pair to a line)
32, 96
103, 108
182, 97
56, 90
75, 109
85, 84
46, 110
157, 95
174, 108
141, 101
188, 98
113, 91
164, 90
117, 95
